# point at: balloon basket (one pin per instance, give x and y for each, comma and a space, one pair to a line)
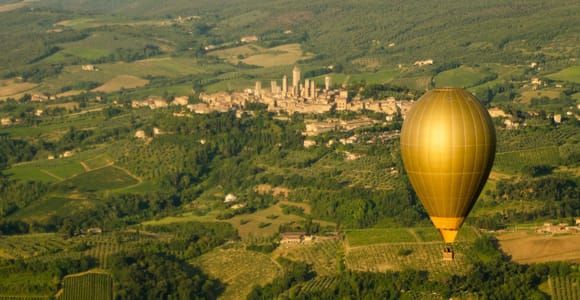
448, 254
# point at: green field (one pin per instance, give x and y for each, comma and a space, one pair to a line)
571, 74
39, 285
249, 229
98, 44
461, 77
324, 256
239, 269
562, 288
48, 170
378, 77
423, 256
513, 161
92, 285
416, 82
370, 236
162, 66
53, 206
107, 178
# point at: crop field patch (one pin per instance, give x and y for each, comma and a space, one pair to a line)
84, 23
370, 236
419, 256
164, 66
527, 95
11, 87
13, 6
88, 285
323, 255
264, 57
52, 206
461, 77
527, 247
121, 82
563, 288
417, 83
107, 178
26, 286
571, 74
30, 245
47, 170
515, 160
239, 269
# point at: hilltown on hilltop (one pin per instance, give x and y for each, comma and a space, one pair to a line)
298, 96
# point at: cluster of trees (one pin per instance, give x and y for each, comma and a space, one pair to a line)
543, 188
55, 269
130, 54
18, 194
140, 275
14, 151
382, 91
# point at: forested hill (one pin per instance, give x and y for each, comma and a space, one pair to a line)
398, 31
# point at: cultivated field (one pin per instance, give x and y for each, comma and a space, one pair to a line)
563, 288
121, 82
91, 285
417, 83
264, 57
31, 245
460, 77
84, 23
527, 95
13, 6
571, 74
239, 269
377, 77
365, 237
107, 178
528, 247
398, 256
264, 222
10, 87
515, 160
165, 66
324, 255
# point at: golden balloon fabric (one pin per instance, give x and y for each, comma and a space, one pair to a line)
448, 147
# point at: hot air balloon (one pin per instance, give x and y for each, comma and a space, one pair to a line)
448, 147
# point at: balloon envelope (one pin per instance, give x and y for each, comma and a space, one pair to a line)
448, 147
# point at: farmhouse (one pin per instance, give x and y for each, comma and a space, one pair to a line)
549, 228
38, 98
249, 39
140, 134
292, 237
496, 112
421, 63
309, 143
6, 121
89, 68
296, 238
93, 230
230, 198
